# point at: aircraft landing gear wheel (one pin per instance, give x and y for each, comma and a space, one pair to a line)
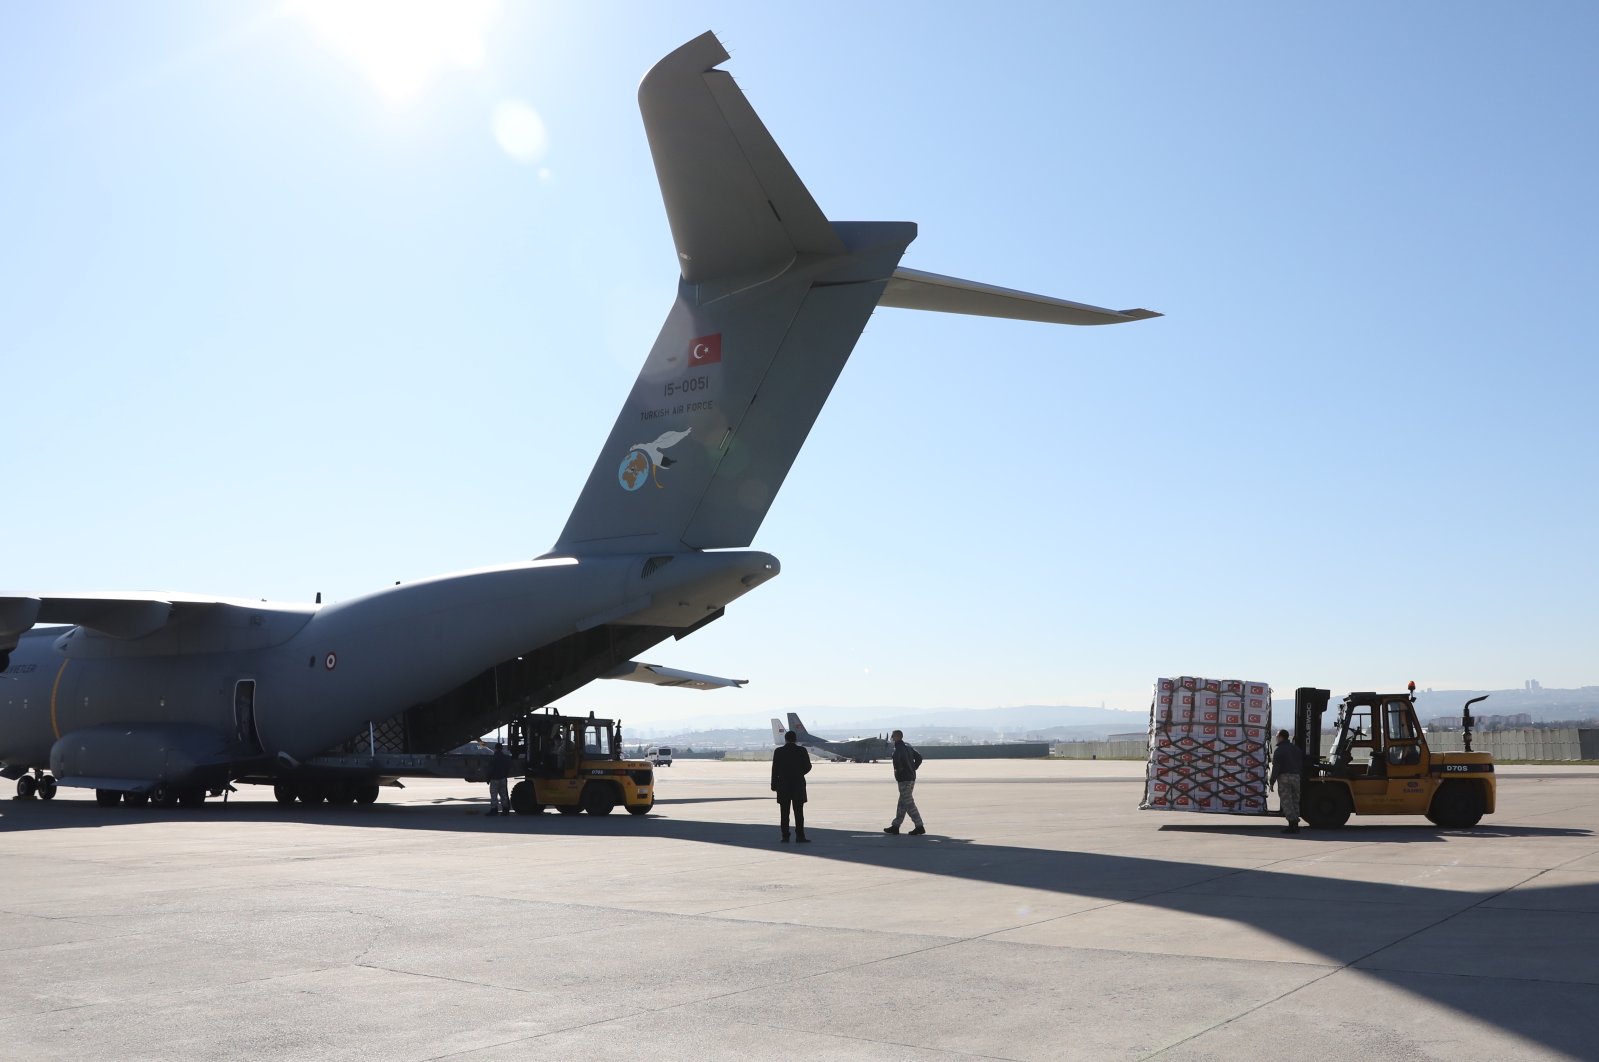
367, 794
136, 800
191, 798
164, 796
640, 809
283, 792
47, 788
598, 798
107, 798
27, 787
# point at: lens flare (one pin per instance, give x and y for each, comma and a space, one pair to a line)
402, 45
520, 131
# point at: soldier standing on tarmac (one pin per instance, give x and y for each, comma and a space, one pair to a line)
499, 771
1286, 767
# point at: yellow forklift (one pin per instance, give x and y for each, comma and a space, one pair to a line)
574, 763
1379, 763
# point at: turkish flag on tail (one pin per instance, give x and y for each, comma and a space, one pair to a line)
706, 350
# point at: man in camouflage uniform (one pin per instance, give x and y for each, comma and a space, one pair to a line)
906, 760
1287, 765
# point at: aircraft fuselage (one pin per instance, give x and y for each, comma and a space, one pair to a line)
320, 674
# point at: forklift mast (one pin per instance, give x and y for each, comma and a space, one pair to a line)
1310, 704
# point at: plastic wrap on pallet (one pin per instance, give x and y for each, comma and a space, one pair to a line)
1209, 745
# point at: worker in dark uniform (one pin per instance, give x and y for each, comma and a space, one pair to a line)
790, 764
1287, 765
499, 774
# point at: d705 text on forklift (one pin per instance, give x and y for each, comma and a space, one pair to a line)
1379, 763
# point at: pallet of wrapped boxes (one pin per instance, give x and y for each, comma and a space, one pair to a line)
1209, 746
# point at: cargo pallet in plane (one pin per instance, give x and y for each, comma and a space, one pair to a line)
171, 696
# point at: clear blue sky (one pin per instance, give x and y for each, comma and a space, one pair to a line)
281, 313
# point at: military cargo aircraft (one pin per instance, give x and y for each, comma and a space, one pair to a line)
167, 697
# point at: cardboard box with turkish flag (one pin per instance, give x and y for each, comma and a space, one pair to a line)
1208, 746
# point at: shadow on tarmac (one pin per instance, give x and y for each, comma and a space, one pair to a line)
1365, 833
1283, 904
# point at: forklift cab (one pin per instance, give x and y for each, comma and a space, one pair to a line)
552, 744
1377, 736
1403, 751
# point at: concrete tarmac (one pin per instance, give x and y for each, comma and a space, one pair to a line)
1042, 917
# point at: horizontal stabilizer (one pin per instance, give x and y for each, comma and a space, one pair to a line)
912, 289
655, 675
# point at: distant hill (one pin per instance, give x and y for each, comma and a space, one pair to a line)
1061, 722
1544, 706
948, 725
1028, 716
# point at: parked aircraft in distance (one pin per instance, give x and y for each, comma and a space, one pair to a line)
780, 735
856, 750
166, 697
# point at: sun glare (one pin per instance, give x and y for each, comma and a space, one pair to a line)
520, 131
401, 45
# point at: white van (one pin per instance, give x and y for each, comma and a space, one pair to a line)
659, 755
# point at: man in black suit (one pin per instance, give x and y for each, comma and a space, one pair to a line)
790, 764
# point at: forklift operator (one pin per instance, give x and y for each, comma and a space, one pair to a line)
558, 750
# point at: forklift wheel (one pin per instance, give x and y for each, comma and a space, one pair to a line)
1456, 806
599, 798
1325, 807
524, 799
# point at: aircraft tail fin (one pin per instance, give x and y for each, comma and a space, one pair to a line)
772, 299
798, 727
777, 732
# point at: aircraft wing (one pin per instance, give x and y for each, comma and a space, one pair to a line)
116, 614
912, 289
655, 675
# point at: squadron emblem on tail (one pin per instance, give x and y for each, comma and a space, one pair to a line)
647, 458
